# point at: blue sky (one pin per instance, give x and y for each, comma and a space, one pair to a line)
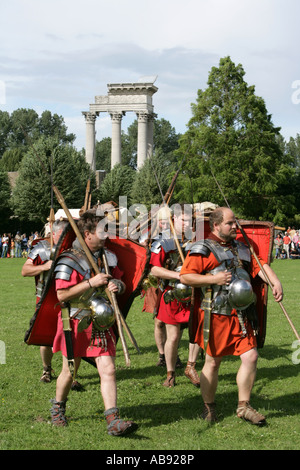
59, 54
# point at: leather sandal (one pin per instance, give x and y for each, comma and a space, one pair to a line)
191, 373
209, 413
47, 375
246, 412
170, 380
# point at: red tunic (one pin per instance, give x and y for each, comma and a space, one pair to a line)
173, 313
82, 346
225, 331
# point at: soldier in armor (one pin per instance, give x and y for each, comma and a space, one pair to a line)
222, 268
38, 265
172, 310
90, 317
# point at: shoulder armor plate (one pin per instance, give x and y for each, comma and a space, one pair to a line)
200, 248
168, 244
70, 261
41, 249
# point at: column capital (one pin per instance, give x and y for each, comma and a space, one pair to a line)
90, 117
117, 116
142, 116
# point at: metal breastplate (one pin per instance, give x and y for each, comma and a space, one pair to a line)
177, 290
239, 293
92, 306
75, 260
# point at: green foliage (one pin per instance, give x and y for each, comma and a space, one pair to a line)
165, 140
4, 201
116, 183
31, 198
11, 159
232, 135
24, 125
145, 189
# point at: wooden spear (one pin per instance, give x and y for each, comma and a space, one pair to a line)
257, 260
83, 245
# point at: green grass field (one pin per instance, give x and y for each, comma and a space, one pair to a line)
168, 418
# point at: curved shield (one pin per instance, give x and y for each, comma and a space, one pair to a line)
133, 260
42, 327
261, 236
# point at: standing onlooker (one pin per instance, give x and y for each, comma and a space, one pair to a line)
17, 240
12, 248
295, 240
278, 246
24, 245
5, 241
286, 244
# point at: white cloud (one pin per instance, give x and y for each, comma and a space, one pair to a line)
58, 55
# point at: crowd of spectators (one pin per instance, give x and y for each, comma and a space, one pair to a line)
16, 246
287, 244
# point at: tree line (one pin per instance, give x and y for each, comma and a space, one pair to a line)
230, 139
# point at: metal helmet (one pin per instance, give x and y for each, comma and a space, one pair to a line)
182, 292
102, 312
240, 294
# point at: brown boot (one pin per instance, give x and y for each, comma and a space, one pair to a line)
246, 412
209, 413
191, 373
170, 380
117, 426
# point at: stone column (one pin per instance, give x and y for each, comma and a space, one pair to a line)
150, 134
142, 138
90, 119
116, 119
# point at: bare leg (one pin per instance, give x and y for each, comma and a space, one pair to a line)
160, 335
65, 379
46, 355
194, 349
246, 374
209, 378
171, 345
107, 372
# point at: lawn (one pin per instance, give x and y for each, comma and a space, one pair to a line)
168, 418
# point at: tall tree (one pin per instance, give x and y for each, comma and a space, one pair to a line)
5, 193
31, 197
15, 128
145, 189
117, 183
231, 133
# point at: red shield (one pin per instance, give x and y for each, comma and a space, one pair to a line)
133, 260
261, 237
